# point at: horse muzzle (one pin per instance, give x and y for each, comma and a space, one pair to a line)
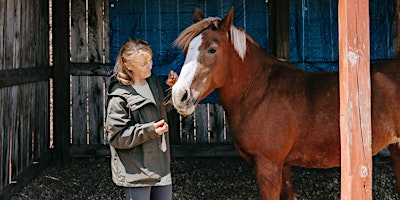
183, 101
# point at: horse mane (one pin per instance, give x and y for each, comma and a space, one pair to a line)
237, 35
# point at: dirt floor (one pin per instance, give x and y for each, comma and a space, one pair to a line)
199, 178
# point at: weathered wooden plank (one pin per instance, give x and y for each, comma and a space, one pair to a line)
12, 77
187, 123
201, 123
216, 121
12, 130
43, 35
4, 138
32, 109
355, 100
17, 34
25, 60
96, 110
2, 27
24, 97
79, 110
96, 92
26, 127
106, 29
19, 132
42, 116
95, 31
37, 128
396, 32
33, 35
43, 88
79, 51
24, 36
79, 48
9, 36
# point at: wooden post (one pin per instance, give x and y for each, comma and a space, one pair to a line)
355, 100
61, 119
279, 28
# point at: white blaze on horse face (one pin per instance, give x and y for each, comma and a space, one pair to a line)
189, 67
182, 86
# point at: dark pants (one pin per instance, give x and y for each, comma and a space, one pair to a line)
147, 193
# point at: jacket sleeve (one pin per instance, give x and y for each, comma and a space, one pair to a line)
166, 92
123, 132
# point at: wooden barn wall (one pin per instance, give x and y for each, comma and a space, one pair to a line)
89, 73
89, 44
24, 91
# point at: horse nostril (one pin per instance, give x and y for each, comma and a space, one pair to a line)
184, 97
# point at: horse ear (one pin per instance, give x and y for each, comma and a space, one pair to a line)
226, 22
198, 15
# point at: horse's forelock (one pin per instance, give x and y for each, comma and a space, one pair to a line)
192, 31
238, 36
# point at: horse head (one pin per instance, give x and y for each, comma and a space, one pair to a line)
210, 45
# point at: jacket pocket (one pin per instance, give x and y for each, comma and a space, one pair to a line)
151, 159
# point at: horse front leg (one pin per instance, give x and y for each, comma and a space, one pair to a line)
269, 179
395, 155
287, 185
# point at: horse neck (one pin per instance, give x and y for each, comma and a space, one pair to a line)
245, 75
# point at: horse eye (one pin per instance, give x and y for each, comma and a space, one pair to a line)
212, 51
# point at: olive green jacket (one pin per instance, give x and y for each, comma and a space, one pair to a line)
136, 157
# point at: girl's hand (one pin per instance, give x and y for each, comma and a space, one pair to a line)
161, 127
172, 78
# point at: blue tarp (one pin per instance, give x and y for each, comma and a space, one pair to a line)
160, 22
314, 33
313, 29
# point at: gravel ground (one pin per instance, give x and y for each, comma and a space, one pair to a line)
198, 178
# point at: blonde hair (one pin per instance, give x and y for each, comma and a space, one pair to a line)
133, 52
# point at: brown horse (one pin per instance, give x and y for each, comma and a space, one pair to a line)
279, 115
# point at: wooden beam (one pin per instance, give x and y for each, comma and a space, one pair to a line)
355, 100
61, 120
12, 77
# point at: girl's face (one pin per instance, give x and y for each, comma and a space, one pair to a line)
142, 68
